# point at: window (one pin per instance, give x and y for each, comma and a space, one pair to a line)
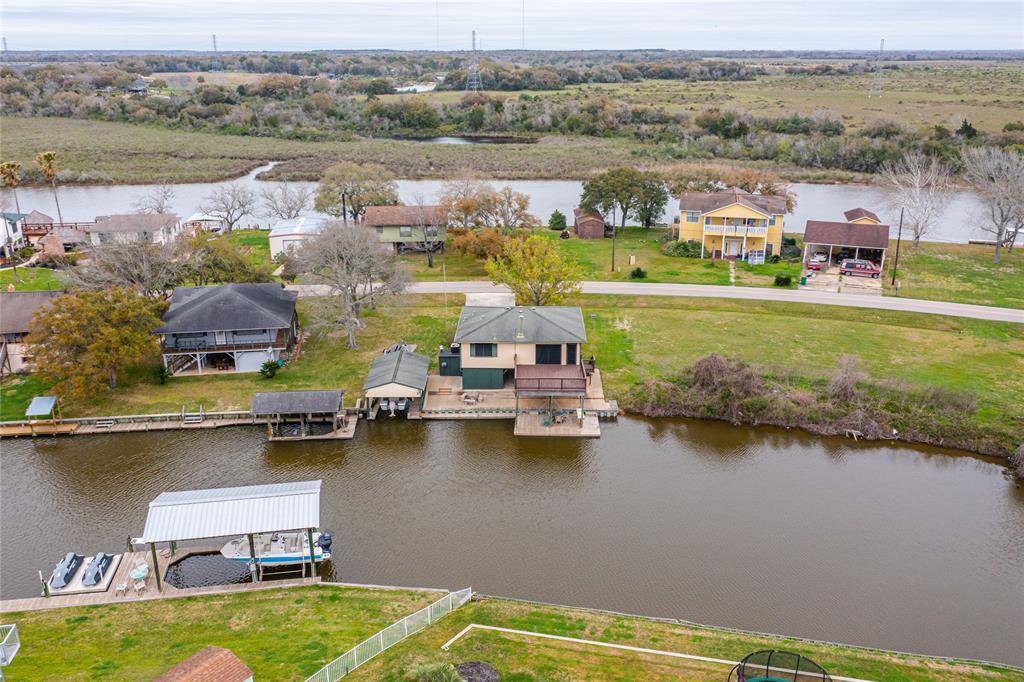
405, 231
431, 230
570, 353
250, 332
772, 221
692, 216
707, 220
549, 354
483, 350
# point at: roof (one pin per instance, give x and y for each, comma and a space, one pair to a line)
218, 512
203, 218
305, 224
38, 218
847, 234
209, 664
496, 299
18, 307
67, 235
133, 222
227, 307
543, 324
41, 406
11, 216
296, 402
855, 213
582, 215
402, 215
401, 367
706, 202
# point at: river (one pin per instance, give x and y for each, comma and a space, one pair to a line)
884, 545
81, 203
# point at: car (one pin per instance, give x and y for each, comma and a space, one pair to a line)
65, 570
814, 264
859, 268
97, 567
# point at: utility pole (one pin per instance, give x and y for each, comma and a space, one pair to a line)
876, 82
473, 69
899, 238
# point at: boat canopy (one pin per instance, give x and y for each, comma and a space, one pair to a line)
41, 406
219, 512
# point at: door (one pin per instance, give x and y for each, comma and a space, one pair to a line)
570, 353
220, 338
549, 354
732, 247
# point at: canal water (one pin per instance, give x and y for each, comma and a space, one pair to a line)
885, 545
814, 202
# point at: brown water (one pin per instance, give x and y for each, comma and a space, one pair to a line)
898, 547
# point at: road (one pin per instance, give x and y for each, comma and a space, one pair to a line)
912, 305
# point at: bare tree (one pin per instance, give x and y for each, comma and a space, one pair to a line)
465, 202
286, 200
427, 227
157, 200
920, 185
998, 175
148, 268
230, 203
358, 270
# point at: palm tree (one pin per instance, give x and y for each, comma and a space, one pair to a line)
50, 166
10, 174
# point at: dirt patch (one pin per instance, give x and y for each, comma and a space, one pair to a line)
477, 671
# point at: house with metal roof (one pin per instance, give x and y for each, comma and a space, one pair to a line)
227, 327
733, 224
492, 344
408, 228
398, 375
289, 234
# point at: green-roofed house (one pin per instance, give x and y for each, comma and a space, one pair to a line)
539, 347
12, 236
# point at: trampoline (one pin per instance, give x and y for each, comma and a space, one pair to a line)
777, 666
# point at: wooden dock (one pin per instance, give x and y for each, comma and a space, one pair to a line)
533, 424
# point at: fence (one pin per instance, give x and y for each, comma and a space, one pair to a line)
9, 644
389, 636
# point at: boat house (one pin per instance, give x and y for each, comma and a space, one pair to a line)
397, 380
300, 415
227, 327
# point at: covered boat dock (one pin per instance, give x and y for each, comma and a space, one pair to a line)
304, 415
397, 377
554, 382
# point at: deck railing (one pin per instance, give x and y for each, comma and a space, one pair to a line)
390, 636
10, 642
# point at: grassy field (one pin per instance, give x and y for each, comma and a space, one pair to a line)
30, 279
255, 243
635, 338
523, 659
963, 273
284, 634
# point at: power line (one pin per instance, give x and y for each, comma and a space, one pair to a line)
876, 82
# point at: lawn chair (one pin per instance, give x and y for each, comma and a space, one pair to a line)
140, 587
121, 589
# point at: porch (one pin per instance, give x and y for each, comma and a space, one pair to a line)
218, 361
736, 243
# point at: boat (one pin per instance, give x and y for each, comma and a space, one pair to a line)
279, 549
96, 569
65, 570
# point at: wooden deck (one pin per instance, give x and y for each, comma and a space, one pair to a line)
346, 432
84, 429
128, 561
532, 424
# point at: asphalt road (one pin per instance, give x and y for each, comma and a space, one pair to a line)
913, 305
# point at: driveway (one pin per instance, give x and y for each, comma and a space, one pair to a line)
912, 305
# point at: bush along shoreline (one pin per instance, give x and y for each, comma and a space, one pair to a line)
848, 404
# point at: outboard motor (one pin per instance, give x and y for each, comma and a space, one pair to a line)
324, 541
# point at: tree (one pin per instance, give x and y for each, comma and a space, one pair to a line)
49, 166
508, 210
426, 221
466, 202
85, 338
206, 259
651, 200
921, 186
10, 174
614, 190
687, 178
358, 270
286, 200
557, 220
536, 271
347, 188
998, 175
158, 200
760, 182
146, 268
230, 203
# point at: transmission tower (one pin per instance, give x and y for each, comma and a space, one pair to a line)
876, 82
473, 70
215, 65
5, 48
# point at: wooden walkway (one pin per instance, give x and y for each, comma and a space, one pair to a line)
128, 561
532, 424
85, 429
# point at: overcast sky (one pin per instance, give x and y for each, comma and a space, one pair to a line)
550, 24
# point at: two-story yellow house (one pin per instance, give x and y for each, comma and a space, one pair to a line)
732, 224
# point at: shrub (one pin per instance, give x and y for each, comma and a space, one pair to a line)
434, 672
638, 273
843, 385
687, 249
269, 369
783, 280
484, 244
162, 374
557, 220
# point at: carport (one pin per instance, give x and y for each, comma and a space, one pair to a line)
846, 240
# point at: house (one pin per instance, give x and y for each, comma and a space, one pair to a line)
209, 664
138, 87
733, 224
12, 237
227, 327
36, 218
16, 311
492, 344
588, 224
198, 222
861, 236
408, 228
156, 228
289, 234
62, 240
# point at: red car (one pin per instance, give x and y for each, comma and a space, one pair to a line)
860, 268
814, 264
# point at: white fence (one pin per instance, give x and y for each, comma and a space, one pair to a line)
9, 645
389, 636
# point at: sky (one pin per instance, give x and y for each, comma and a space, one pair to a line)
549, 24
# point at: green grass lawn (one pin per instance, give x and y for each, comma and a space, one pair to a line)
284, 634
524, 659
31, 279
962, 273
255, 243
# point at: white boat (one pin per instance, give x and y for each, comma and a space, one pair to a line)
279, 549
